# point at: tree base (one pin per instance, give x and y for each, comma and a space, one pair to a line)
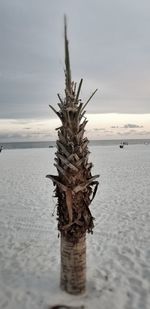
73, 266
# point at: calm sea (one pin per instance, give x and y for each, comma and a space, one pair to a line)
22, 145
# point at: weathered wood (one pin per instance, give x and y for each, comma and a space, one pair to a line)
79, 89
81, 187
54, 110
67, 60
65, 161
73, 265
62, 137
63, 148
55, 181
84, 145
74, 89
96, 183
79, 135
61, 170
81, 115
61, 101
89, 100
83, 124
79, 162
69, 203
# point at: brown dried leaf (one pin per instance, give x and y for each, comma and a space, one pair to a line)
55, 181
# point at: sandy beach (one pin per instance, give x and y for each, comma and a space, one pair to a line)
118, 253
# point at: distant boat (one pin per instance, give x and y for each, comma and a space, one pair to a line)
121, 145
50, 146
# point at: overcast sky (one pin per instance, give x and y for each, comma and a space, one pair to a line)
109, 48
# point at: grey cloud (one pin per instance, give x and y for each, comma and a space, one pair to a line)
25, 136
108, 47
99, 129
144, 132
127, 126
108, 131
124, 133
14, 135
130, 125
134, 132
41, 133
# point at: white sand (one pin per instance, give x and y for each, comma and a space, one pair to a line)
118, 251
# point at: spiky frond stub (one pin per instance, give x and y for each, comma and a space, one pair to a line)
75, 187
67, 59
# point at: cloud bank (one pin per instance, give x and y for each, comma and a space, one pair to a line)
108, 46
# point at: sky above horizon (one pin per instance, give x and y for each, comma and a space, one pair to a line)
109, 49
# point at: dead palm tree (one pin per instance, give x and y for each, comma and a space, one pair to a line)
75, 187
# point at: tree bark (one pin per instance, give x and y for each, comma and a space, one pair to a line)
73, 265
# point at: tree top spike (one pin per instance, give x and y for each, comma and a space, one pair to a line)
67, 59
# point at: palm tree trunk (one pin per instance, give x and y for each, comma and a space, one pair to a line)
74, 183
73, 265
